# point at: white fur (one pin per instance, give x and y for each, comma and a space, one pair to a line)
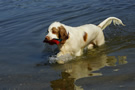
50, 34
75, 44
108, 21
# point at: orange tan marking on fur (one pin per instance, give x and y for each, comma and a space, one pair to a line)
60, 33
85, 36
55, 31
63, 34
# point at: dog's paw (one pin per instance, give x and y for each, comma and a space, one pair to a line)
60, 62
59, 54
90, 46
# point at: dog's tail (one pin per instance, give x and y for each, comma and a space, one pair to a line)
108, 21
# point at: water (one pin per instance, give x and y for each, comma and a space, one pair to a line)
24, 58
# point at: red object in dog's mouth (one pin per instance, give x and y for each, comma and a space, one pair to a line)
52, 42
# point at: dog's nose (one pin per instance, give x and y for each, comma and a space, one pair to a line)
47, 38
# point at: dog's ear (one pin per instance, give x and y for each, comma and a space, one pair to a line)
63, 34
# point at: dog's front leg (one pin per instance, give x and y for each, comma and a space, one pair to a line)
60, 54
90, 46
79, 53
60, 61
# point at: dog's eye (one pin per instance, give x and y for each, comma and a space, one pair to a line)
54, 32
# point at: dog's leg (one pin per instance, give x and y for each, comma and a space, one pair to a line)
60, 61
79, 53
59, 54
95, 43
90, 46
100, 41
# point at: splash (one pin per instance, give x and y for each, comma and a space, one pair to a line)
63, 59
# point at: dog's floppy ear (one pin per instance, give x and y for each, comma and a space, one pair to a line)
63, 34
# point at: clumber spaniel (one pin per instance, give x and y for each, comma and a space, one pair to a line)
75, 39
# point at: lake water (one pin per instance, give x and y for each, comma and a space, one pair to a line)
24, 57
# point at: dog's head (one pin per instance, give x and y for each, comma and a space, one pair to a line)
57, 31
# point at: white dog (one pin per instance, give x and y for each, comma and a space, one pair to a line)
75, 39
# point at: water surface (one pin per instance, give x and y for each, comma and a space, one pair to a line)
24, 58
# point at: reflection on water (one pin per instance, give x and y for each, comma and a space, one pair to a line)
23, 25
87, 66
64, 83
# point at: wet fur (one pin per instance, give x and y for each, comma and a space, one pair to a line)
75, 39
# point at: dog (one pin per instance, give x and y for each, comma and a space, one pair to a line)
75, 39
